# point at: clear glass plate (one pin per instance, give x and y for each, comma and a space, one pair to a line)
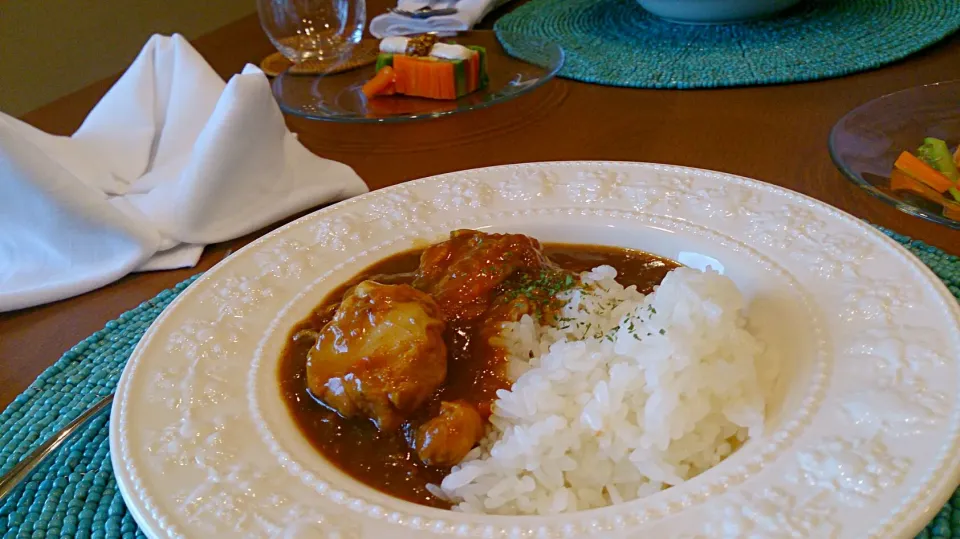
338, 98
865, 143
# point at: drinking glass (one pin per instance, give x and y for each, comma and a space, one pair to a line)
313, 29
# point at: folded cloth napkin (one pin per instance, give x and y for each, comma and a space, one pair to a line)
170, 159
469, 13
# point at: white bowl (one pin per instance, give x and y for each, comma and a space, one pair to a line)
714, 11
862, 437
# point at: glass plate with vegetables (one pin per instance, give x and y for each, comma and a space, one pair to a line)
903, 149
419, 77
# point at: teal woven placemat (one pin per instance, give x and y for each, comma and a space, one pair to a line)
74, 494
618, 43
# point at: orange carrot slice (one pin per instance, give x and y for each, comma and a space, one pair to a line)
952, 211
421, 77
920, 171
379, 84
951, 208
436, 83
473, 72
900, 181
416, 76
416, 79
446, 80
401, 65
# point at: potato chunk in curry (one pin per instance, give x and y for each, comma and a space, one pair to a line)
447, 438
381, 356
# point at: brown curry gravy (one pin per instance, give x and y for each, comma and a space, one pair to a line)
384, 461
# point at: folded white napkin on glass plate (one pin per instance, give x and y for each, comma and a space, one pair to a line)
469, 13
171, 159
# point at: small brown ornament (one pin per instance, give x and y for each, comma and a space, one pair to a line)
365, 53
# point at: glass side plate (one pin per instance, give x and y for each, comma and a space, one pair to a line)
337, 97
865, 143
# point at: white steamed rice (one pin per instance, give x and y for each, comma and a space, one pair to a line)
627, 395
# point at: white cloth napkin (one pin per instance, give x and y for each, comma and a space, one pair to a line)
469, 13
170, 160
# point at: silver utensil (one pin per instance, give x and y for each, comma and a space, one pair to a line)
427, 11
22, 470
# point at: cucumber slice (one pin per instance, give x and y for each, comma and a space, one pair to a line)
484, 79
384, 59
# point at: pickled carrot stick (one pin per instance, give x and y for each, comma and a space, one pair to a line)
920, 171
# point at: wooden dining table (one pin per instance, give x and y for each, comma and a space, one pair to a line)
776, 134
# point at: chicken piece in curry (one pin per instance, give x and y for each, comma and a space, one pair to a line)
406, 361
463, 273
381, 356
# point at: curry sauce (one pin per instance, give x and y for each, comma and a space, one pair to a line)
385, 461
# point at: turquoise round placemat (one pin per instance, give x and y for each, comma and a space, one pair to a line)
74, 493
618, 43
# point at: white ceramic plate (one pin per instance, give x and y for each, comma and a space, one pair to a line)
862, 438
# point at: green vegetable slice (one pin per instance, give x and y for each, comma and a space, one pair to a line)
935, 153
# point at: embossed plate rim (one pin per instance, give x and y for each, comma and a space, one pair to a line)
595, 185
